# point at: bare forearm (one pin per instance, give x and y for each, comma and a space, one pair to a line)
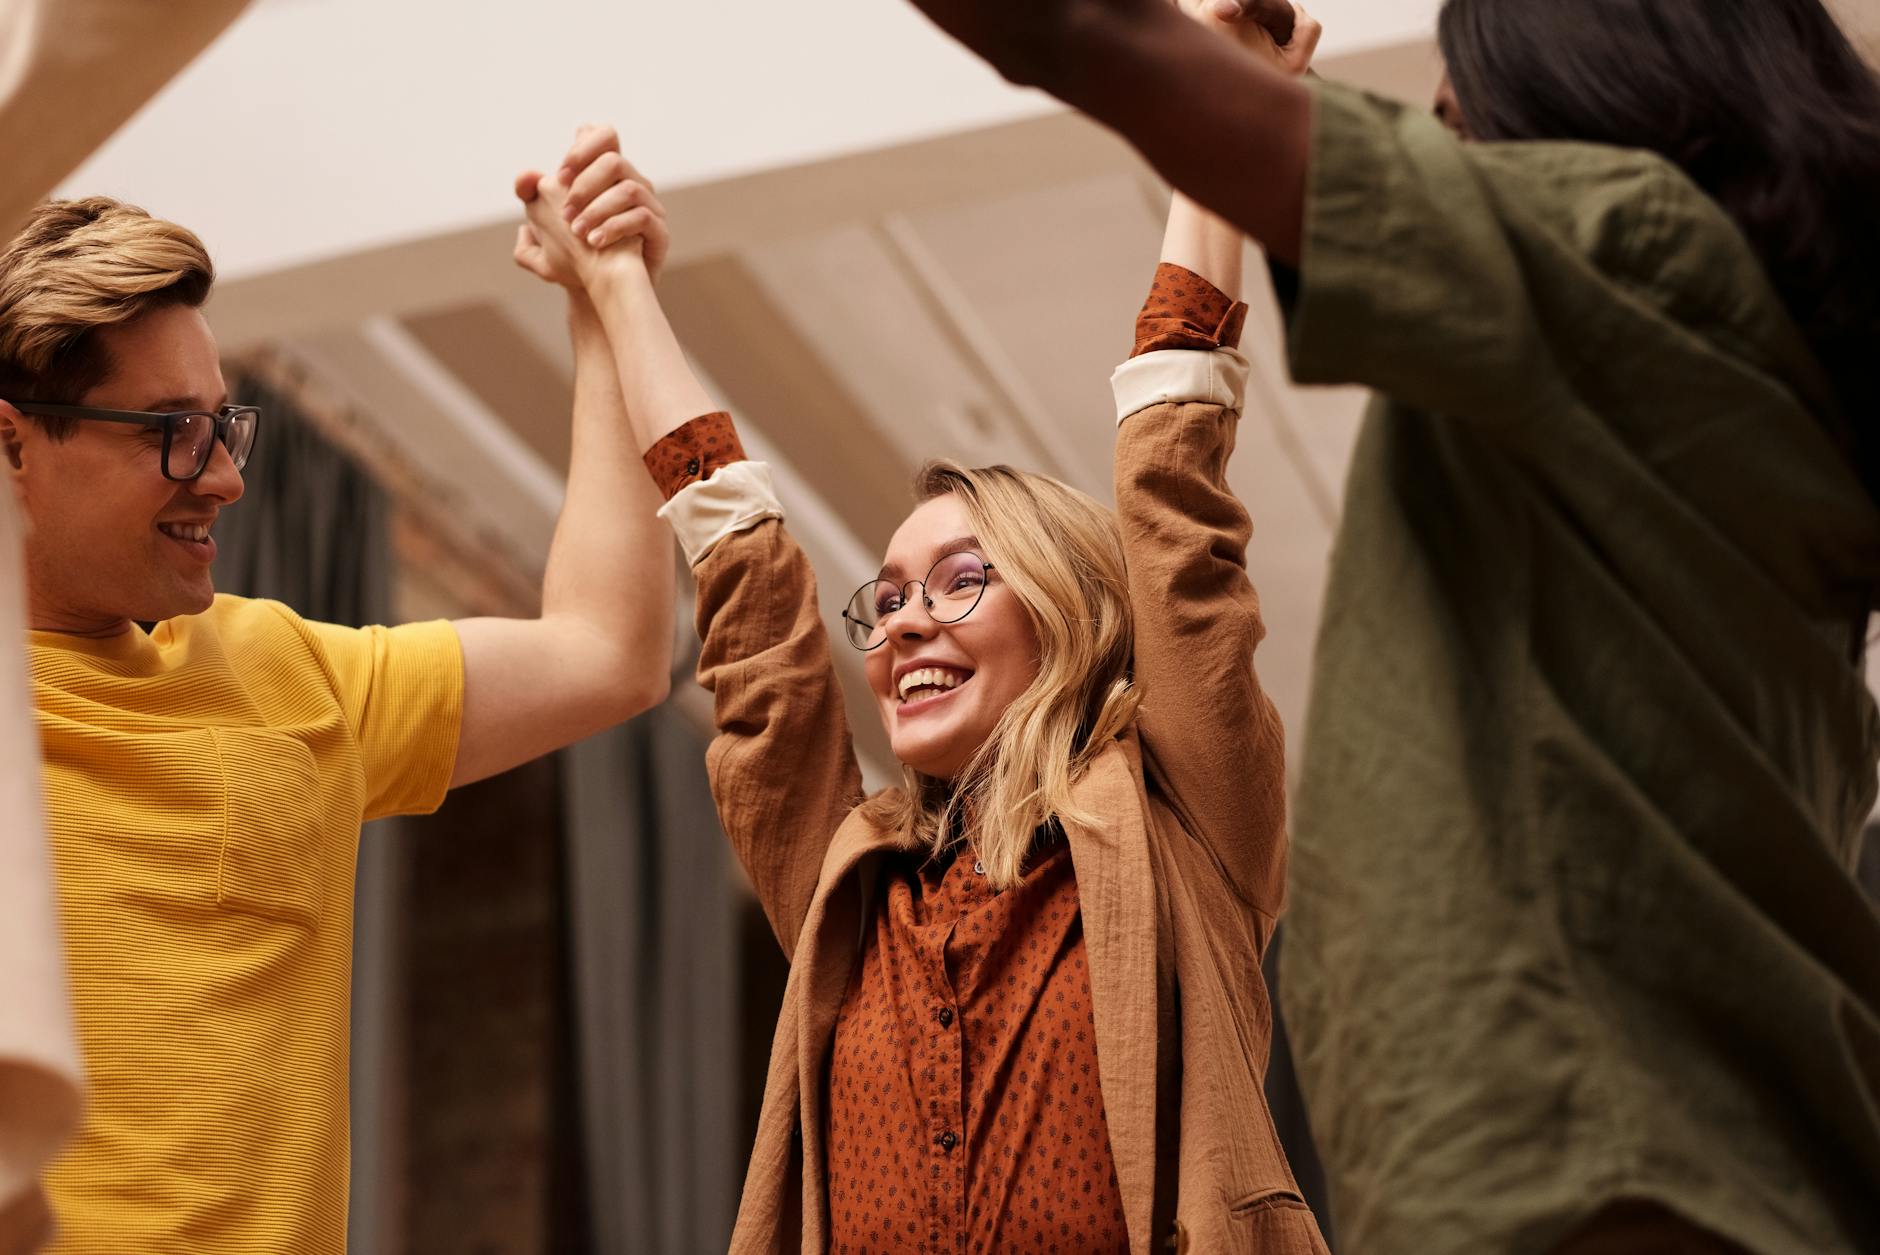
610, 565
1197, 239
661, 392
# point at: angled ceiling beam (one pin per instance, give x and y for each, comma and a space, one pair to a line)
472, 265
1042, 316
977, 344
749, 345
711, 218
492, 357
469, 463
855, 301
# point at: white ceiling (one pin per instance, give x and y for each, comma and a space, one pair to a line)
317, 128
882, 256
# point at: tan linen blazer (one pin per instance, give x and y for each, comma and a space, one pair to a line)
1179, 884
71, 71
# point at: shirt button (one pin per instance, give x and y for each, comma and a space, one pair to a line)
691, 467
946, 1017
948, 1140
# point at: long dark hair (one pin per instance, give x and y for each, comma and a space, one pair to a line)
1764, 103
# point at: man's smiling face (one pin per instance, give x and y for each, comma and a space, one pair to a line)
112, 540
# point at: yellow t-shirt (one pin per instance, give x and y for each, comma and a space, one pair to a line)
205, 785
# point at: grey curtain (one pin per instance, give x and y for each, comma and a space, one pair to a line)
656, 908
312, 531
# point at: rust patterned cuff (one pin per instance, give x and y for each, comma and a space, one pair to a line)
691, 452
1185, 311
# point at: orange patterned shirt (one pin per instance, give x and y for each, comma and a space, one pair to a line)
964, 1111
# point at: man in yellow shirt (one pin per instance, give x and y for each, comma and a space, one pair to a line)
206, 779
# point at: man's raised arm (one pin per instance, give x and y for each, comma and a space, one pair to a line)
602, 649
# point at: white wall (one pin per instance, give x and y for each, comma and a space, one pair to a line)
321, 127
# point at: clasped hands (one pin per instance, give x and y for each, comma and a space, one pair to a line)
596, 215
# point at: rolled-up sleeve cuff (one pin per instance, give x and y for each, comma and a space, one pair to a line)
1186, 311
1178, 375
694, 451
737, 497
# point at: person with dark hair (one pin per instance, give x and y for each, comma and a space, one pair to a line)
1765, 106
1577, 959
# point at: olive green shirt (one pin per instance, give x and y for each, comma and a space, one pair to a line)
1589, 753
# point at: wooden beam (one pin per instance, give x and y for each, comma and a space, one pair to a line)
471, 265
778, 381
415, 277
477, 566
491, 357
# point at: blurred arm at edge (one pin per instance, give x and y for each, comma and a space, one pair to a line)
71, 73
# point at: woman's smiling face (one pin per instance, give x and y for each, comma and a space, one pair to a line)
941, 687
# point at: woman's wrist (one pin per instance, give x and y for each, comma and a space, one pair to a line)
1202, 242
615, 275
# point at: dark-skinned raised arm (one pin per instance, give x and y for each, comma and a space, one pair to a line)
1227, 128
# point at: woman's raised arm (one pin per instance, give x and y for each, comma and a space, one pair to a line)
782, 768
1212, 734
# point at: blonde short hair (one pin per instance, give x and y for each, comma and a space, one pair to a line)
77, 266
1061, 553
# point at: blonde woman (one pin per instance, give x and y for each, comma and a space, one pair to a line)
1025, 1010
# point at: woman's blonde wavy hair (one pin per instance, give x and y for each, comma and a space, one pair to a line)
1061, 554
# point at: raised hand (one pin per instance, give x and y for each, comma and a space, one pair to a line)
610, 200
1275, 17
595, 207
1281, 31
544, 245
1181, 94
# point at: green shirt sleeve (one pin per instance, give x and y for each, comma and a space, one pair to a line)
1478, 281
1590, 312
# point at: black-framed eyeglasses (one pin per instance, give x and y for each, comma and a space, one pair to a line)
189, 436
948, 594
